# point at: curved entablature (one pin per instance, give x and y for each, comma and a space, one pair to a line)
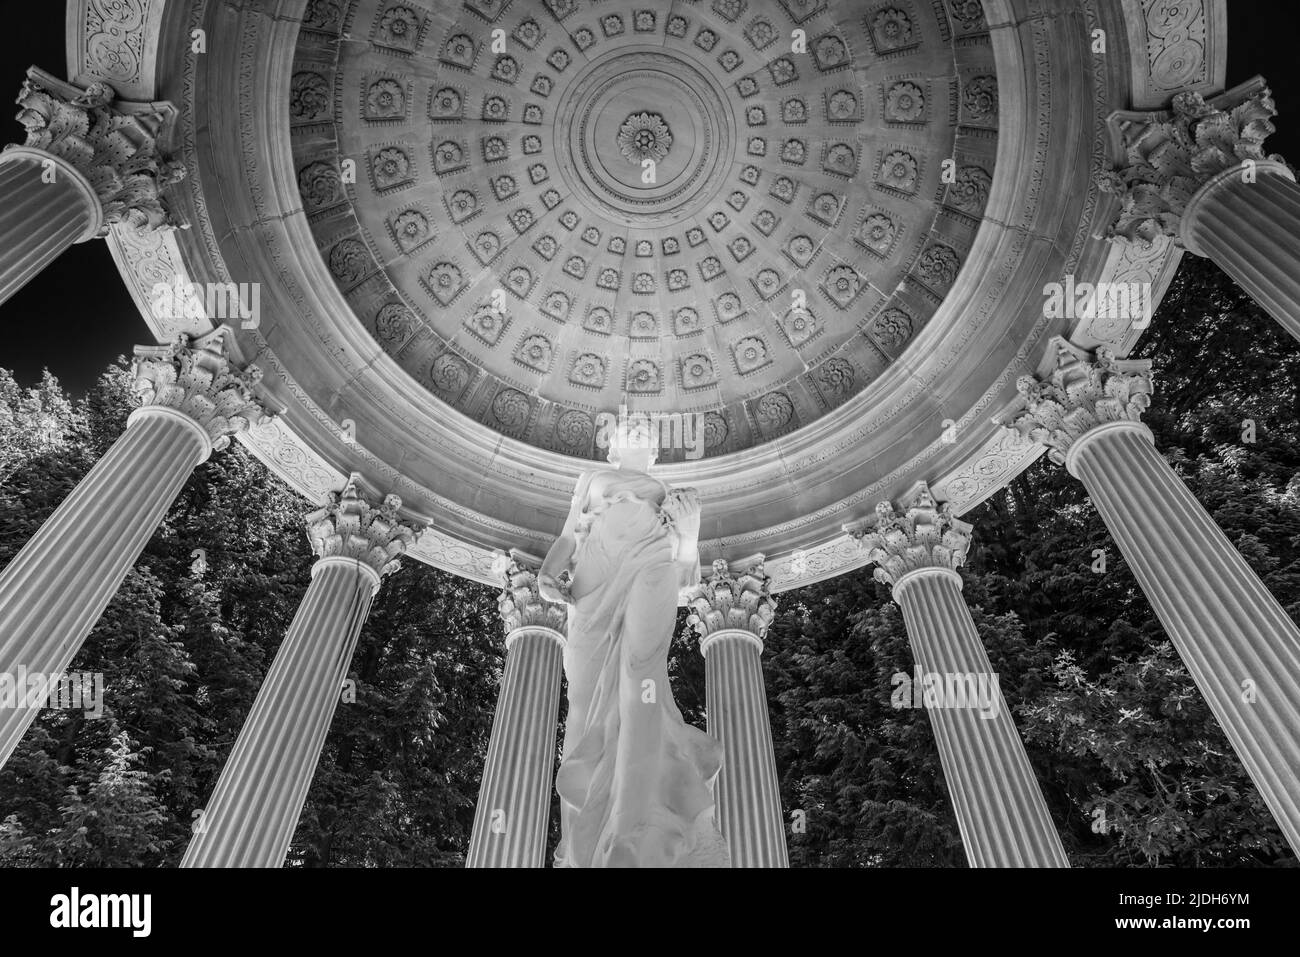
377, 354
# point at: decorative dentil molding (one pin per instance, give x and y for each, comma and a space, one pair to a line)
350, 526
1171, 155
521, 604
195, 376
115, 146
921, 533
732, 600
1085, 390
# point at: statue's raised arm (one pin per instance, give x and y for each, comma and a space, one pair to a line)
681, 510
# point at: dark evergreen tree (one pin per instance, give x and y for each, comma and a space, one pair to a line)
1134, 768
184, 646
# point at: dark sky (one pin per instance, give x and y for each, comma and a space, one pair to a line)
76, 316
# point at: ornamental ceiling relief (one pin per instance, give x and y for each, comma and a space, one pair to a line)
543, 210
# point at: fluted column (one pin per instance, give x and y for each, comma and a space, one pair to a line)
514, 800
254, 809
56, 587
87, 163
46, 205
1251, 229
1198, 174
999, 806
1240, 647
731, 613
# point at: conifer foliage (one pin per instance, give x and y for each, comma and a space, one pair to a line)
1133, 766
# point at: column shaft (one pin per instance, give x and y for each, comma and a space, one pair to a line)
1227, 627
1252, 231
55, 589
514, 801
39, 219
748, 793
1000, 810
254, 809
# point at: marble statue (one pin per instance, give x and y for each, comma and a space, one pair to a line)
636, 781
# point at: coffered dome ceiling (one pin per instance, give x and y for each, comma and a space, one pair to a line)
825, 226
564, 206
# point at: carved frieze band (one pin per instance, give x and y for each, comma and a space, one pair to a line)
116, 41
1177, 45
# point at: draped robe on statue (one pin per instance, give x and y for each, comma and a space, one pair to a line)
636, 781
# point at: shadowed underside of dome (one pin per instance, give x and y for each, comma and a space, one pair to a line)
743, 209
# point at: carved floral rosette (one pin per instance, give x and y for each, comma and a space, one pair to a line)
969, 194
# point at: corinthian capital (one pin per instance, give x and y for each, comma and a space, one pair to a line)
350, 526
520, 604
922, 533
1085, 390
115, 146
1170, 155
195, 376
728, 600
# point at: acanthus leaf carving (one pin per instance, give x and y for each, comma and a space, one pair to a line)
1170, 156
922, 533
521, 604
116, 149
1085, 390
350, 526
731, 600
195, 377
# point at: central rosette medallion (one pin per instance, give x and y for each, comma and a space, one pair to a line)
644, 136
637, 104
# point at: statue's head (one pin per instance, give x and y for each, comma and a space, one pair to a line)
633, 446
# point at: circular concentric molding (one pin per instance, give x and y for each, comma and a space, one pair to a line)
742, 210
344, 156
643, 138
